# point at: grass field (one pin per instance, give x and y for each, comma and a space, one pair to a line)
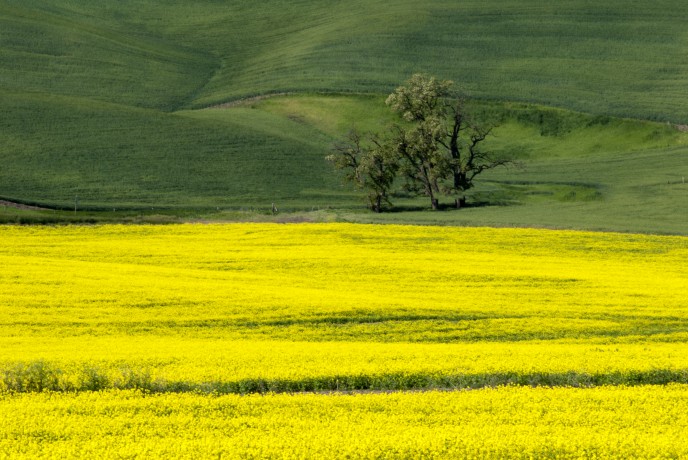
577, 171
164, 320
97, 105
621, 58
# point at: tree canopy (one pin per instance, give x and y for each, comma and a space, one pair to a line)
436, 146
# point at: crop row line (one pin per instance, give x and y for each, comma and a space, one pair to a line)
42, 376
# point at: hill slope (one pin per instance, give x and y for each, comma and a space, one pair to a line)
623, 58
99, 100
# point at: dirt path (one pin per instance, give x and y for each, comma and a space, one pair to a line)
12, 204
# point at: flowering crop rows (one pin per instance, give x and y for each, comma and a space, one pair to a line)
507, 422
165, 319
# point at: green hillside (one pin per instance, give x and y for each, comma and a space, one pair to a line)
101, 100
624, 57
575, 170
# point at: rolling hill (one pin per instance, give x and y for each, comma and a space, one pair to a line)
118, 106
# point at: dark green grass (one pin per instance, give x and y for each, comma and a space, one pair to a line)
621, 57
97, 103
111, 156
63, 48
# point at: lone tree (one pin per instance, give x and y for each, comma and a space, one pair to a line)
438, 148
441, 145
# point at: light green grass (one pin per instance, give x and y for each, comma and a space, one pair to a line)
575, 170
98, 99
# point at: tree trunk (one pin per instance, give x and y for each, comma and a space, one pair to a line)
435, 204
377, 205
460, 202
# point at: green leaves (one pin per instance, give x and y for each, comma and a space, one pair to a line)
370, 167
421, 98
437, 149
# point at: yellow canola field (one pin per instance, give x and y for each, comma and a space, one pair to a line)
507, 422
185, 313
342, 282
261, 307
181, 364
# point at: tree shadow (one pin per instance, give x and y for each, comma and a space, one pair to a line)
446, 207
